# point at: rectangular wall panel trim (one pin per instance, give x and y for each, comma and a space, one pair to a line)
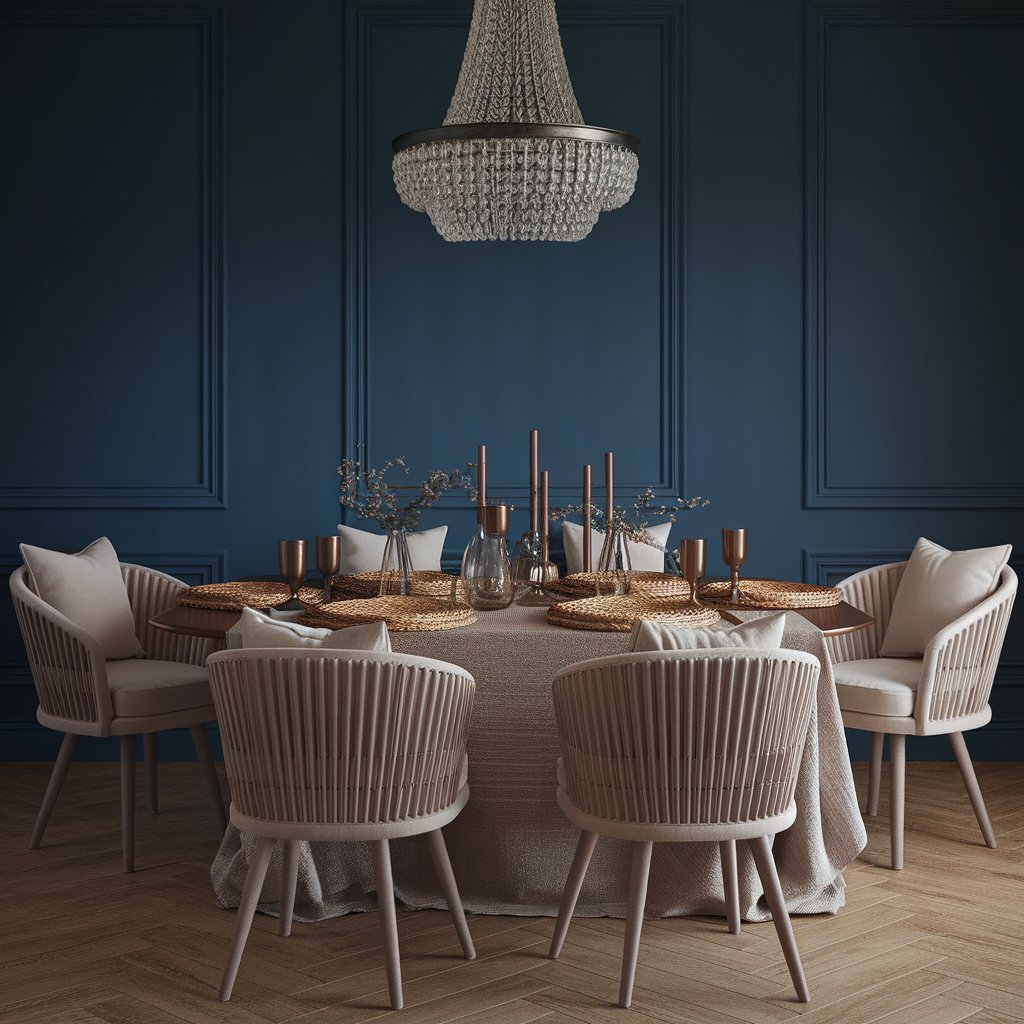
366, 16
209, 490
820, 490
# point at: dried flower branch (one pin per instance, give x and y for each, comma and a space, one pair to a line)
368, 493
634, 520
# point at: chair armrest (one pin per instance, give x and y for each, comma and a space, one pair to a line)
872, 591
151, 592
67, 663
961, 660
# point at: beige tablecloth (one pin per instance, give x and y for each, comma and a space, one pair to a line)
511, 847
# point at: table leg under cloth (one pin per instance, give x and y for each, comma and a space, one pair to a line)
511, 847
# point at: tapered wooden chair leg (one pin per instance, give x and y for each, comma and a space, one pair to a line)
875, 772
289, 882
150, 756
57, 776
209, 775
635, 919
128, 803
963, 759
730, 879
388, 919
571, 893
445, 875
765, 863
246, 912
897, 796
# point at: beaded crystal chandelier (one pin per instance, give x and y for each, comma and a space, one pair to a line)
514, 160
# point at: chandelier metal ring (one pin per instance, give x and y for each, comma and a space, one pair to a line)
525, 130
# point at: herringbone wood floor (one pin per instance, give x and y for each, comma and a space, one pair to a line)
942, 941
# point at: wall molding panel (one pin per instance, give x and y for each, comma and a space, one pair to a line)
365, 17
209, 490
821, 488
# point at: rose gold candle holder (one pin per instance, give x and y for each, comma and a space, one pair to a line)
542, 571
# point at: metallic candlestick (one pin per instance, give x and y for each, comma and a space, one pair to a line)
481, 481
586, 519
544, 513
328, 560
534, 464
693, 559
609, 488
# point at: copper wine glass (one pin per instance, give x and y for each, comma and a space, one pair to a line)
734, 554
328, 561
693, 559
292, 555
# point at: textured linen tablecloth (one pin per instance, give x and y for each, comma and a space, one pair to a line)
511, 847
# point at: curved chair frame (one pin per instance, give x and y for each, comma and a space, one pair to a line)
342, 746
958, 670
70, 676
683, 746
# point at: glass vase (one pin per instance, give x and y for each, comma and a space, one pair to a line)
396, 566
487, 569
615, 560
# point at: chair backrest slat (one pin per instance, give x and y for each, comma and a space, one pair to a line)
340, 737
685, 738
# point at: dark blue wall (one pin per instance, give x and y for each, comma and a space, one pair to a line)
809, 312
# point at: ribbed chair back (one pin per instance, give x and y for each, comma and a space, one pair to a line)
685, 738
340, 738
342, 746
683, 746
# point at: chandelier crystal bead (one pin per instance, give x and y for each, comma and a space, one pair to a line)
514, 160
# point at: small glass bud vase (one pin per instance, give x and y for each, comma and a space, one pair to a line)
487, 569
396, 566
615, 559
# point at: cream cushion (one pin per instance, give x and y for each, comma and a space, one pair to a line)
258, 630
362, 551
938, 586
879, 686
88, 589
139, 687
642, 557
759, 634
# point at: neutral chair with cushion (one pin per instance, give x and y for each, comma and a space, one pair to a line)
942, 691
683, 747
342, 746
82, 693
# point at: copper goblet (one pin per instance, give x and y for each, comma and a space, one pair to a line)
734, 554
292, 556
693, 559
328, 561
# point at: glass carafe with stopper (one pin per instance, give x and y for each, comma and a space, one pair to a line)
487, 570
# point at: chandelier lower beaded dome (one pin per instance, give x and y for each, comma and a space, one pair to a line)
514, 161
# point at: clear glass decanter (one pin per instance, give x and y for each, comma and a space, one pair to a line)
487, 570
396, 564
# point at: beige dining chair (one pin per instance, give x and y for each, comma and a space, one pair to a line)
342, 746
683, 747
82, 694
944, 692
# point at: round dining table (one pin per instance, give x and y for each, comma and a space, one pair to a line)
511, 847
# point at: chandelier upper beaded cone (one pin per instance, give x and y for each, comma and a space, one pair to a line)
514, 160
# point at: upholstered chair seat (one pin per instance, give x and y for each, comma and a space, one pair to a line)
879, 686
140, 687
